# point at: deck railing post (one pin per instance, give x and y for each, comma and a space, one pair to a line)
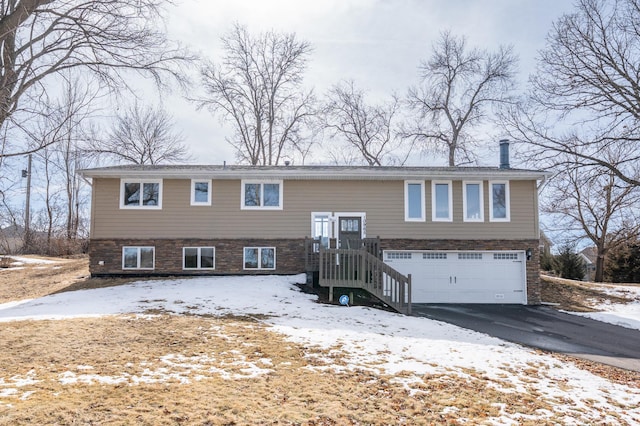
358, 268
409, 294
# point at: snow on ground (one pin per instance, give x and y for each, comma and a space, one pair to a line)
366, 338
19, 261
24, 260
622, 314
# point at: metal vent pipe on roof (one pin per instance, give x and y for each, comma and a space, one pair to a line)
504, 154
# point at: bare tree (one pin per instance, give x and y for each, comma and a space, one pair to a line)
585, 97
257, 88
39, 39
367, 129
458, 87
594, 202
61, 132
143, 135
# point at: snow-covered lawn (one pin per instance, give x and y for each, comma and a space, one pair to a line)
622, 314
19, 261
410, 348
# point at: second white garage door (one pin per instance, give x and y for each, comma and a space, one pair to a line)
463, 276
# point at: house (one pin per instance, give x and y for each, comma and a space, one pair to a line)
545, 244
589, 256
464, 234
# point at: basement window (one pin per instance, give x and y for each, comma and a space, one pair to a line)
138, 257
259, 258
198, 258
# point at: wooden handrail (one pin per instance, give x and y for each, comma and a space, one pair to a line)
357, 268
312, 249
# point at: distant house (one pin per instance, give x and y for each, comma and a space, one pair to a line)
545, 244
589, 257
11, 239
465, 234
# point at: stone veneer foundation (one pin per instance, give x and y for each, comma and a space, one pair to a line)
290, 255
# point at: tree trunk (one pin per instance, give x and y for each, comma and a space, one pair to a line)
599, 276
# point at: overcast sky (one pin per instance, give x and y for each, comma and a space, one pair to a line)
379, 44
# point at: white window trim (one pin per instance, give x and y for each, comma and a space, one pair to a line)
261, 183
423, 214
433, 200
259, 268
363, 222
329, 215
141, 182
313, 220
507, 201
199, 267
138, 268
464, 200
193, 192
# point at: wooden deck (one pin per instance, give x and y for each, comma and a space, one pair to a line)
357, 268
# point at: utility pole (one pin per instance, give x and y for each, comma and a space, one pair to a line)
27, 212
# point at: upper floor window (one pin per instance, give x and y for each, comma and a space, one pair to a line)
200, 192
414, 201
472, 201
441, 201
262, 195
499, 201
141, 193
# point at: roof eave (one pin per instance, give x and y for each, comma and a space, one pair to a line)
326, 174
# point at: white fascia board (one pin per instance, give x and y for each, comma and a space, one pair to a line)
315, 173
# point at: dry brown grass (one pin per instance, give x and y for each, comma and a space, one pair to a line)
290, 393
208, 377
576, 296
34, 280
39, 279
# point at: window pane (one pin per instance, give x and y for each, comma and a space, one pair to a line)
206, 257
473, 201
201, 192
191, 257
349, 225
252, 194
499, 200
131, 194
151, 194
272, 194
321, 229
146, 257
131, 257
414, 201
268, 258
442, 200
251, 258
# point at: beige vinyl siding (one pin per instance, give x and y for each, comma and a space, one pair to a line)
382, 201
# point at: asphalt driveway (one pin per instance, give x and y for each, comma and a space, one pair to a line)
545, 328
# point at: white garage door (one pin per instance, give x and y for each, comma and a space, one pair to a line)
463, 276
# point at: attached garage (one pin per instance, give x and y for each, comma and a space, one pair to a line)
463, 276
